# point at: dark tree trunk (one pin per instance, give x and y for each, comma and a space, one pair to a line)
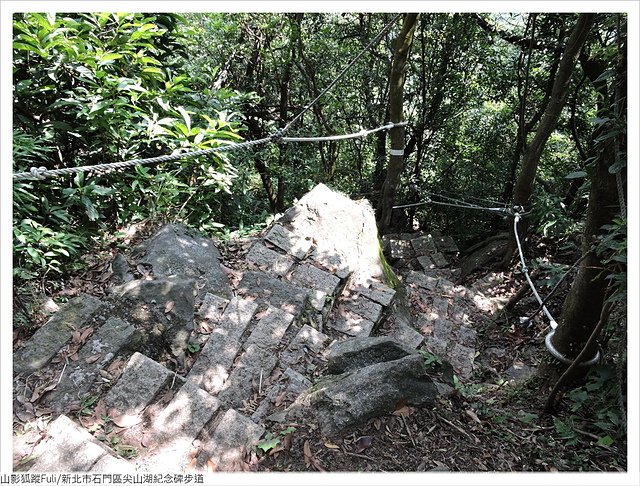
524, 185
394, 167
583, 305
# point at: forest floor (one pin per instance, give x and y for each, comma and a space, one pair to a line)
488, 424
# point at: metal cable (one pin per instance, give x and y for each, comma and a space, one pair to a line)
42, 173
342, 73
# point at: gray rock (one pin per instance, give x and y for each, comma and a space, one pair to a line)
253, 367
352, 324
284, 295
436, 345
270, 330
345, 233
290, 242
184, 416
235, 435
121, 270
343, 402
291, 384
235, 318
177, 251
467, 336
51, 337
446, 244
364, 307
400, 249
110, 339
176, 295
314, 278
269, 260
419, 279
69, 448
406, 335
377, 292
439, 259
357, 353
461, 358
423, 245
211, 369
426, 263
306, 344
440, 307
141, 380
212, 308
519, 372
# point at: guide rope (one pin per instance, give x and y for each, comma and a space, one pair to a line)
342, 73
517, 212
42, 172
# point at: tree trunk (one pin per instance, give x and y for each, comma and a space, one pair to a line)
524, 185
583, 305
394, 167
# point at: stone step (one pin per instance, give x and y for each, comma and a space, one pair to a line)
313, 278
140, 382
288, 241
303, 348
211, 368
446, 244
246, 378
287, 296
424, 245
290, 385
70, 448
235, 435
269, 330
235, 318
51, 337
171, 435
109, 340
212, 308
400, 249
406, 335
377, 292
268, 260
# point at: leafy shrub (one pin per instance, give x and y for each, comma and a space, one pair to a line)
97, 88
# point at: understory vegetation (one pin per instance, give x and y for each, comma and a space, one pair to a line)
100, 88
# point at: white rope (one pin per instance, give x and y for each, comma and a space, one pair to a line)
346, 136
547, 340
525, 270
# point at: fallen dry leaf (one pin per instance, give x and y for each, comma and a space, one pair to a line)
330, 445
211, 466
168, 306
404, 411
473, 415
125, 421
363, 443
93, 359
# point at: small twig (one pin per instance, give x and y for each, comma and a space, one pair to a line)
406, 426
175, 375
60, 377
260, 384
361, 456
462, 431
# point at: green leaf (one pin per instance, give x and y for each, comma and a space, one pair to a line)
576, 175
605, 441
267, 444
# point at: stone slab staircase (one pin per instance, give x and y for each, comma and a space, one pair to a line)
265, 339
